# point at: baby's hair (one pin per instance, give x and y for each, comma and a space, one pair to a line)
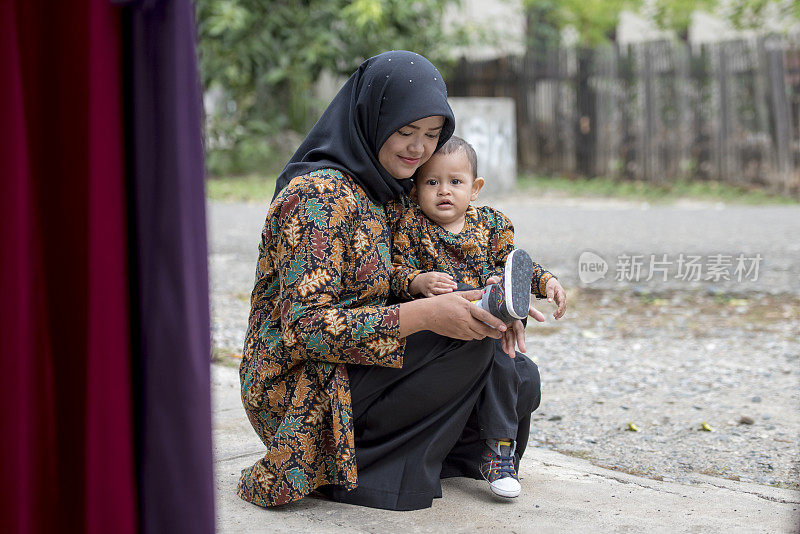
454, 144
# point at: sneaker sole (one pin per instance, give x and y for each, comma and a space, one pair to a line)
506, 494
517, 283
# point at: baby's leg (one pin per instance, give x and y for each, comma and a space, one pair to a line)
497, 432
510, 395
529, 396
503, 415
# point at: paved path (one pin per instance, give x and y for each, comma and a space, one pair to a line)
566, 494
561, 494
557, 231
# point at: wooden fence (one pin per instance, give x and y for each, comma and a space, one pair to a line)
658, 111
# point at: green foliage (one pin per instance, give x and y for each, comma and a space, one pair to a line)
748, 13
742, 14
261, 59
543, 26
594, 20
751, 14
676, 15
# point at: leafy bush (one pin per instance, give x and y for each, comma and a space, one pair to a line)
259, 60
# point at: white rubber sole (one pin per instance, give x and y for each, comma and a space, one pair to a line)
508, 281
507, 493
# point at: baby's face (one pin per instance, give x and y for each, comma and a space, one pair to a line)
444, 188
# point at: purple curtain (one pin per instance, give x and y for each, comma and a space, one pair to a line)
104, 321
171, 324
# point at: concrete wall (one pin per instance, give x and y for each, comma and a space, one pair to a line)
489, 125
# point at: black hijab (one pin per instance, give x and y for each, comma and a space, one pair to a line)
387, 92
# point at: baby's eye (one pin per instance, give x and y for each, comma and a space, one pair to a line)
455, 181
431, 181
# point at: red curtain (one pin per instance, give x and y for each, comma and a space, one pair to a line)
67, 440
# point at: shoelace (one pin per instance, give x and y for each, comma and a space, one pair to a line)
505, 464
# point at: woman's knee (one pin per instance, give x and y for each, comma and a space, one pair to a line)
477, 355
468, 357
485, 349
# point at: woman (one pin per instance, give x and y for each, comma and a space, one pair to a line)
361, 399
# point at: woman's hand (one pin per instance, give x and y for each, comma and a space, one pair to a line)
515, 335
451, 315
432, 283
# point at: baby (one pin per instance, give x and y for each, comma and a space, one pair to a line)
445, 244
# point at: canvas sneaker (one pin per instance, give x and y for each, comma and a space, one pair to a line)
497, 467
511, 297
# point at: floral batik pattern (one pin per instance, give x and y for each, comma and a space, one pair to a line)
319, 302
471, 256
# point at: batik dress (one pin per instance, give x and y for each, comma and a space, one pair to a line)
471, 256
319, 302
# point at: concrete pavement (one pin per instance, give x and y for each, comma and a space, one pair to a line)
560, 494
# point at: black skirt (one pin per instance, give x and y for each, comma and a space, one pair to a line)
418, 424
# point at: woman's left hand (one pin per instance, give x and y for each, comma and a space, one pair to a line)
515, 335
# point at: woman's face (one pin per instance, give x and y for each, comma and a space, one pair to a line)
410, 146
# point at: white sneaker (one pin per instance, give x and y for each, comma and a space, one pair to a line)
497, 467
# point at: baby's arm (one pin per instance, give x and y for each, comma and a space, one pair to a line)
501, 243
407, 278
405, 264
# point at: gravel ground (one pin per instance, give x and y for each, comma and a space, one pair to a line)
622, 360
666, 356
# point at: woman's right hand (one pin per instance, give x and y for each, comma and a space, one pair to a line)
451, 315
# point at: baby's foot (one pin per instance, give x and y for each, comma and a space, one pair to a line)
511, 298
497, 467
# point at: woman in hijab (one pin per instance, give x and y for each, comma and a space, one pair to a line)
358, 398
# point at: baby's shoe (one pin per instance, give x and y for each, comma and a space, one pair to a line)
497, 467
511, 298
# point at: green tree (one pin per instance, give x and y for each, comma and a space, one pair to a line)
676, 15
263, 57
594, 20
752, 14
543, 26
742, 14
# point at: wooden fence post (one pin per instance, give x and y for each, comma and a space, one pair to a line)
781, 113
683, 91
653, 111
585, 125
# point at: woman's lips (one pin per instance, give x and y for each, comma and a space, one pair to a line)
409, 161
